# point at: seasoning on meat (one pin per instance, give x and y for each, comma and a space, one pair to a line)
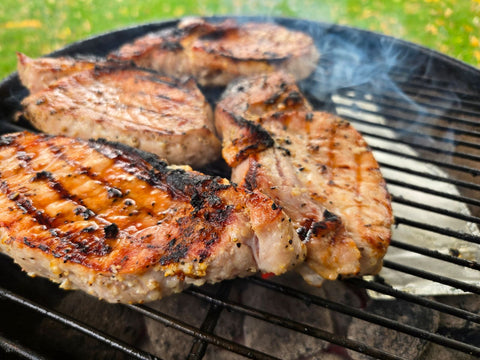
119, 102
317, 167
165, 228
217, 53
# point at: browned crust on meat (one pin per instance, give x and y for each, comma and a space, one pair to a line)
331, 161
112, 226
166, 116
121, 224
217, 53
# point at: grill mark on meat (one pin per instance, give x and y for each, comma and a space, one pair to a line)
64, 193
311, 228
121, 102
180, 184
135, 119
160, 80
138, 258
200, 191
83, 247
251, 175
79, 169
330, 156
217, 53
25, 205
250, 139
257, 132
332, 163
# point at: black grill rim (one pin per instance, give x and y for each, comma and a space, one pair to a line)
204, 336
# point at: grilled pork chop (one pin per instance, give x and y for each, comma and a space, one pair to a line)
118, 102
99, 217
312, 164
217, 53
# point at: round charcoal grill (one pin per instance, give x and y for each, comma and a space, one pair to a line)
420, 113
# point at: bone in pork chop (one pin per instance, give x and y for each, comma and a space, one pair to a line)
118, 102
315, 165
99, 217
217, 53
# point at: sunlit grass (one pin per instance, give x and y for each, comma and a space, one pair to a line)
39, 27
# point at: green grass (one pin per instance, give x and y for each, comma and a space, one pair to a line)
39, 27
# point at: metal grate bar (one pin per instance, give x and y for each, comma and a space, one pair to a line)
415, 145
442, 95
459, 198
449, 213
465, 169
402, 131
437, 85
199, 347
296, 326
405, 76
456, 182
77, 325
419, 300
439, 230
199, 334
391, 101
11, 347
435, 254
372, 318
433, 277
417, 122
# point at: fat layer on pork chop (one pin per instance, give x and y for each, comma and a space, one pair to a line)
217, 53
313, 164
119, 102
126, 227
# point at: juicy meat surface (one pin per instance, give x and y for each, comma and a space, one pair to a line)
217, 53
315, 165
118, 102
126, 227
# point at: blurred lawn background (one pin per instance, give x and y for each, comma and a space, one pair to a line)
37, 27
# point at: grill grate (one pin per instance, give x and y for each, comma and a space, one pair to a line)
423, 127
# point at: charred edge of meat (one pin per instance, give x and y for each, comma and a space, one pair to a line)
136, 156
25, 205
294, 98
270, 60
111, 66
215, 35
330, 217
311, 228
259, 138
171, 45
180, 183
173, 83
174, 254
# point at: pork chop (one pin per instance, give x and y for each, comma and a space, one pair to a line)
217, 53
126, 227
308, 160
118, 102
